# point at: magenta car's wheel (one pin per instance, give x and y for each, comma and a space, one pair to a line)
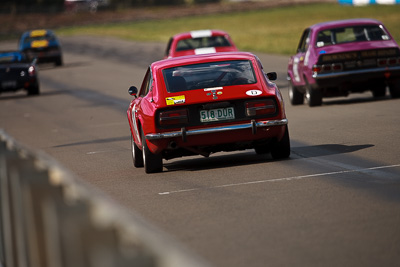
313, 96
394, 89
295, 97
379, 90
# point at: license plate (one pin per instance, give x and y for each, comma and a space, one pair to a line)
218, 114
9, 84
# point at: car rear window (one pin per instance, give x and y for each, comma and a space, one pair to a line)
209, 75
202, 42
351, 34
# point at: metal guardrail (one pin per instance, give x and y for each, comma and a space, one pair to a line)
50, 218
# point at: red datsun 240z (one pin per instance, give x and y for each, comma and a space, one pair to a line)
202, 104
340, 57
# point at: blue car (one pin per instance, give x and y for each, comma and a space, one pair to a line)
42, 45
17, 72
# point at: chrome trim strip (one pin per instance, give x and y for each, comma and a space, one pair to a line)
156, 136
352, 72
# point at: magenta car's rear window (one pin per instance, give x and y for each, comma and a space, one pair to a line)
350, 34
209, 75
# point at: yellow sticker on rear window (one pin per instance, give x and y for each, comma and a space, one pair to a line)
37, 33
40, 43
175, 100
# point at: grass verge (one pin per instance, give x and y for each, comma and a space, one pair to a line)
275, 30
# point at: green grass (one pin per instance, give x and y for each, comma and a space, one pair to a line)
275, 30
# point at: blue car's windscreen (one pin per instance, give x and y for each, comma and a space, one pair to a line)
209, 75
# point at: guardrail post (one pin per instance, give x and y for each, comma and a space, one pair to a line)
9, 257
5, 223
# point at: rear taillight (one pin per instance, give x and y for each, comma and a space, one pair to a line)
260, 107
337, 67
327, 67
392, 61
174, 117
316, 68
32, 71
382, 61
388, 61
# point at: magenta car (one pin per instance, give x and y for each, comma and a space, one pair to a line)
341, 57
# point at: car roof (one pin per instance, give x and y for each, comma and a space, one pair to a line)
344, 23
199, 33
195, 59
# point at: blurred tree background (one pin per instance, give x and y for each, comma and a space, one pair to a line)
54, 6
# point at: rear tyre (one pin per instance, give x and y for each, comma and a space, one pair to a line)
313, 97
282, 149
137, 155
34, 90
59, 61
295, 97
152, 162
379, 91
394, 89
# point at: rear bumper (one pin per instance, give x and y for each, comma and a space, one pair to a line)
367, 73
183, 133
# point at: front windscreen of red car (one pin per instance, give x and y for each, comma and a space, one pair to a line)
359, 33
209, 75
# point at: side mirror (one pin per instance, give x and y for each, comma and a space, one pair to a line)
133, 91
272, 76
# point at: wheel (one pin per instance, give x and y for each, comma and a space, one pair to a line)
394, 89
379, 90
137, 155
152, 162
282, 149
313, 96
59, 61
33, 90
295, 97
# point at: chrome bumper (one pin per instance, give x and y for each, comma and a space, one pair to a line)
354, 72
183, 133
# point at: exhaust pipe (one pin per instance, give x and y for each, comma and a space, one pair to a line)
172, 145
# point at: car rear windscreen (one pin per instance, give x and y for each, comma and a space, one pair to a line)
209, 75
202, 42
357, 33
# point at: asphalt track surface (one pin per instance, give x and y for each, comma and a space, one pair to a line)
335, 202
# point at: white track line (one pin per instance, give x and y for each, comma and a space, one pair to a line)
280, 179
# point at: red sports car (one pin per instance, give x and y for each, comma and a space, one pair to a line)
201, 104
340, 57
199, 42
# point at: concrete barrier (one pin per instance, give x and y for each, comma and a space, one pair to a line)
51, 218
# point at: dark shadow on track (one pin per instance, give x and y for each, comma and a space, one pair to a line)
326, 150
98, 141
249, 157
354, 100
